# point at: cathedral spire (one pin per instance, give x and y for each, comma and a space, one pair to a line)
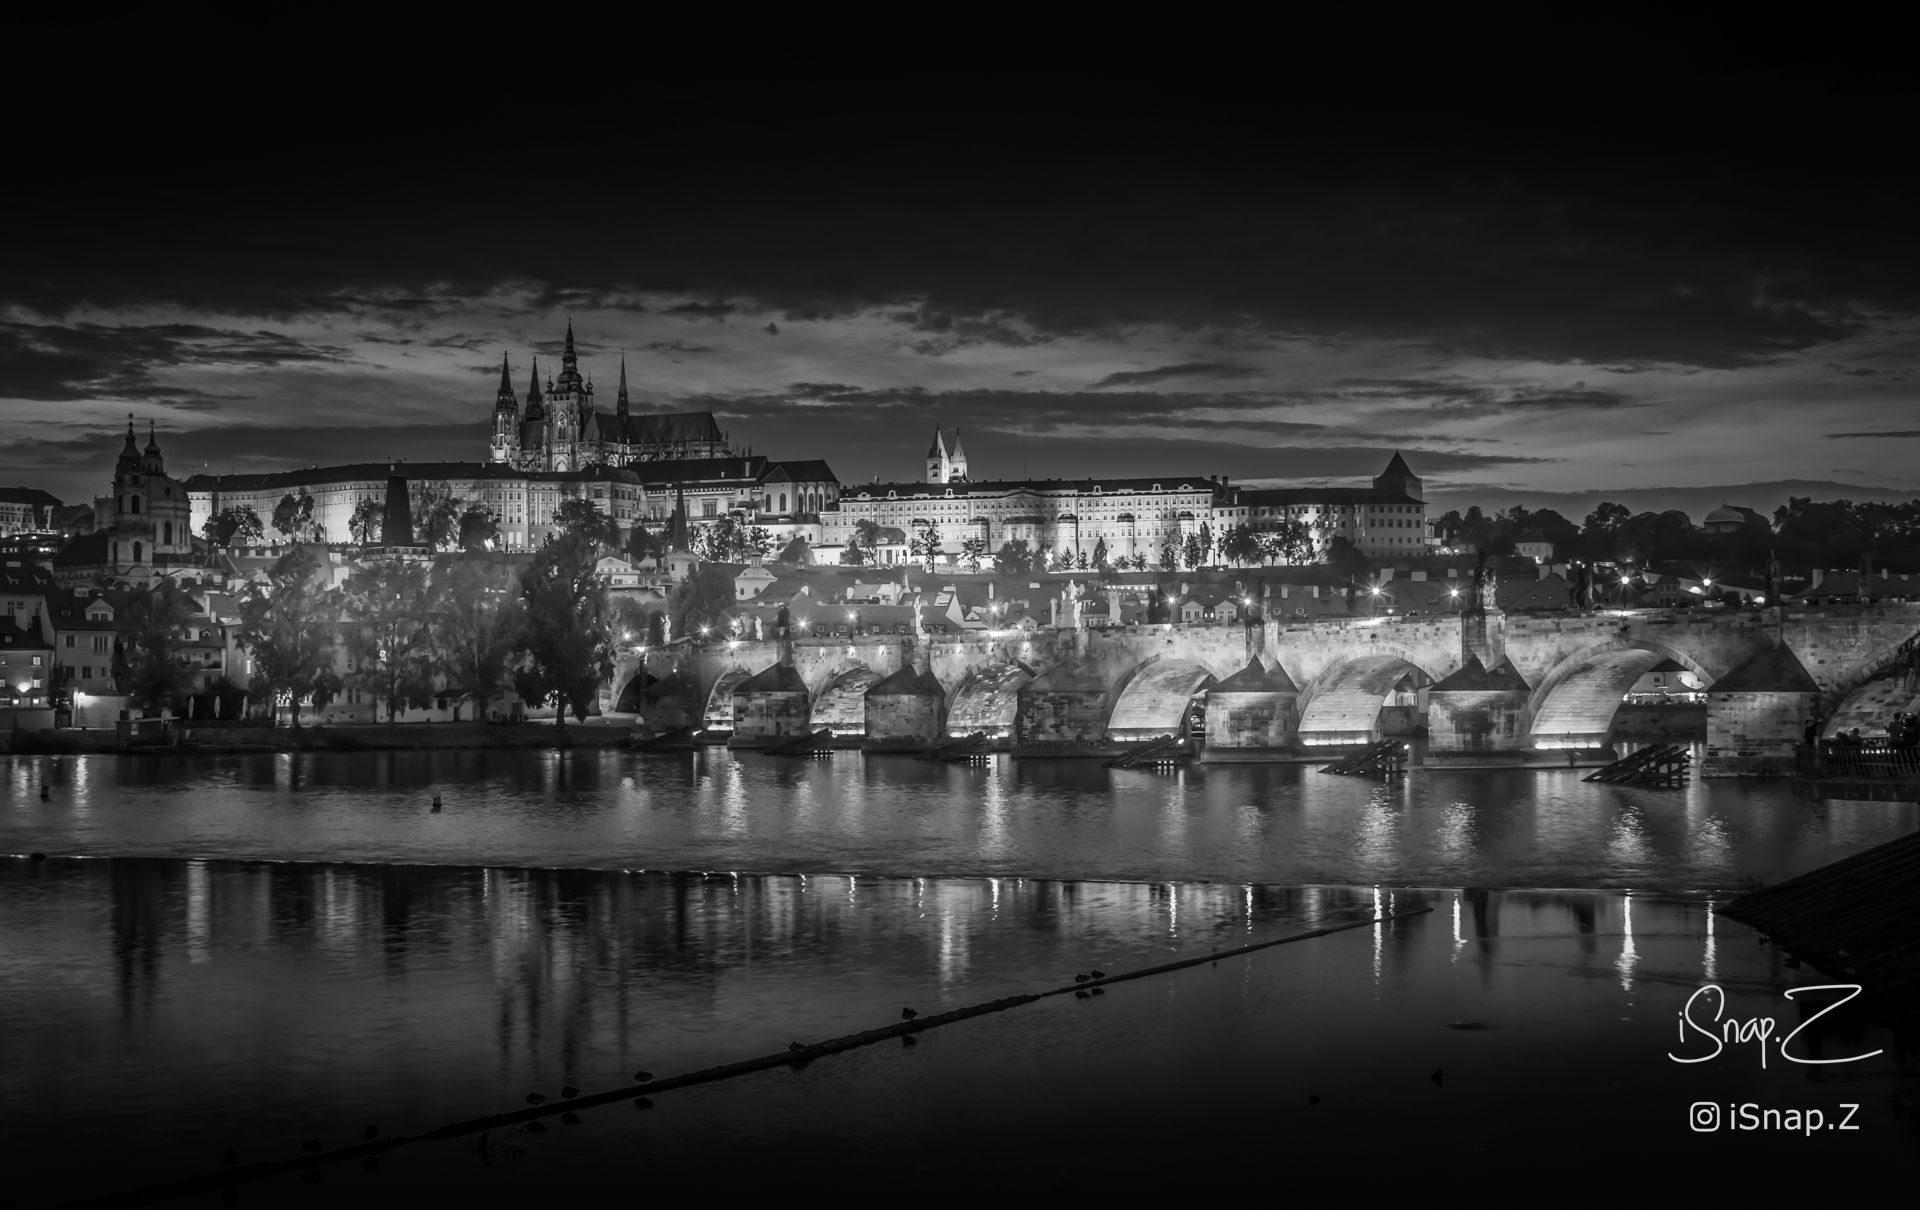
505, 397
132, 448
620, 400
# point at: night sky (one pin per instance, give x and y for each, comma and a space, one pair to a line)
1666, 294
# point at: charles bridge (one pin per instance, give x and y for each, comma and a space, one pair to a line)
1482, 684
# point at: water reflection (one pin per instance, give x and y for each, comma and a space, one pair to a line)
1066, 819
252, 1004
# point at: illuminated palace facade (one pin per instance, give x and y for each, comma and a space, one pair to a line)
1132, 516
633, 467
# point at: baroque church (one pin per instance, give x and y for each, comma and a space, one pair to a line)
560, 430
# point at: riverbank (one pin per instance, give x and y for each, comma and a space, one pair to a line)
332, 737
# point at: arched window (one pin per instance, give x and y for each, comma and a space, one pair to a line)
135, 505
783, 502
136, 552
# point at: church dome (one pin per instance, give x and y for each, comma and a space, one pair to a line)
1725, 515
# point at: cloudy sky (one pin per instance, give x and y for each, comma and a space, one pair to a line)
1661, 294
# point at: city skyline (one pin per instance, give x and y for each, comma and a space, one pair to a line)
1549, 303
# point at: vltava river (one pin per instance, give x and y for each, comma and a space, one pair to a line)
715, 810
259, 959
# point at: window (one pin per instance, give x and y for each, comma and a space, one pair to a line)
86, 672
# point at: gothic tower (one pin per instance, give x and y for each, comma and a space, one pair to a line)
957, 463
572, 396
531, 452
506, 420
937, 459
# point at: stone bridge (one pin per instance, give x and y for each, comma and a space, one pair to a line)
1556, 679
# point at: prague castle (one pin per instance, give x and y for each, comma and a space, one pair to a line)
638, 466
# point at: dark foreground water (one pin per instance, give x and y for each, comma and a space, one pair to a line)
173, 996
847, 814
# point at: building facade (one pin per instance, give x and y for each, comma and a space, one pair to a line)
1386, 520
26, 510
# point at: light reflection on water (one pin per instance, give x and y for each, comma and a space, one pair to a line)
253, 1005
894, 815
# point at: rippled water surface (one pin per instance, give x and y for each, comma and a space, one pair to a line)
852, 814
252, 953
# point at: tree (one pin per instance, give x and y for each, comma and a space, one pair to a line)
1100, 554
147, 661
368, 520
1169, 555
475, 626
1347, 559
1191, 552
860, 547
1081, 562
731, 540
1241, 546
1290, 539
643, 543
796, 552
388, 638
234, 525
436, 515
1014, 556
566, 636
1206, 543
293, 516
287, 623
852, 556
478, 530
973, 552
703, 599
926, 545
1060, 560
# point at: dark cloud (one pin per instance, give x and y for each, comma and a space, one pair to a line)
57, 362
677, 346
1186, 369
703, 310
1890, 433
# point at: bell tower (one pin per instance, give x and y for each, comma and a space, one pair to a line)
506, 420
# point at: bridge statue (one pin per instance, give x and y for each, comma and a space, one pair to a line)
1070, 597
781, 623
666, 629
757, 629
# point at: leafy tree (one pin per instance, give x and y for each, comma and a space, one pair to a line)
796, 552
367, 522
147, 661
860, 547
643, 543
973, 552
388, 636
731, 539
1240, 546
1206, 543
567, 634
1191, 552
1347, 559
293, 516
1081, 562
1014, 556
926, 546
436, 515
1169, 555
1060, 560
1290, 539
287, 623
235, 525
703, 599
1100, 559
852, 556
476, 625
478, 530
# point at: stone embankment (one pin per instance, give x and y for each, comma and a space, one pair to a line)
330, 738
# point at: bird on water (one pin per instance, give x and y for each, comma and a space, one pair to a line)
534, 1098
643, 1077
1099, 991
795, 1047
370, 1133
1099, 974
569, 1092
1081, 978
1083, 994
907, 1014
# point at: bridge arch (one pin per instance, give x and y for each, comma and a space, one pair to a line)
1576, 700
988, 700
1342, 704
632, 696
718, 715
840, 704
1154, 697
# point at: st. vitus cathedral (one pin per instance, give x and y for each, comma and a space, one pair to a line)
560, 430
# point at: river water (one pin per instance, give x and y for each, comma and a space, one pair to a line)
254, 952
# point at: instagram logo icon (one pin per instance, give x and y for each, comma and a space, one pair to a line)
1704, 1116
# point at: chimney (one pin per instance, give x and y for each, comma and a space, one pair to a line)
1183, 588
1883, 573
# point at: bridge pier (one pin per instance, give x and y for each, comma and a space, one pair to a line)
1067, 705
1252, 714
1478, 712
771, 708
906, 712
1758, 712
